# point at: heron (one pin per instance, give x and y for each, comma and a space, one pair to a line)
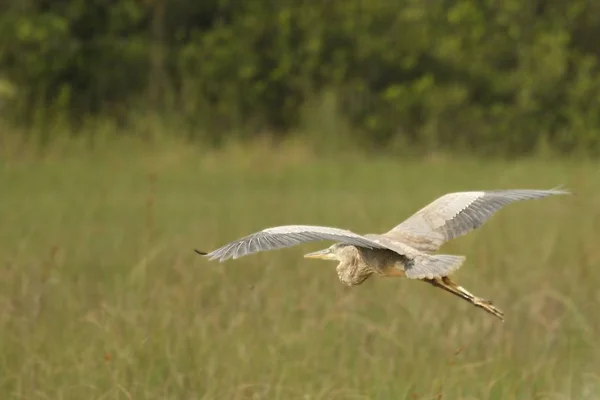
408, 250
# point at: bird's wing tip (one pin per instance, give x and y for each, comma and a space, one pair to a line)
561, 189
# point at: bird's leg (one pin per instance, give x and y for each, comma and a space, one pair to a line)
439, 284
468, 295
447, 284
482, 303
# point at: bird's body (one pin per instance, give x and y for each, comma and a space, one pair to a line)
407, 250
359, 263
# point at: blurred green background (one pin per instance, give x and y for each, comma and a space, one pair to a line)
492, 77
132, 132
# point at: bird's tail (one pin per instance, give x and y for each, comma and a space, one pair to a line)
439, 265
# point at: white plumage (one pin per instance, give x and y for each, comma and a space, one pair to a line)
449, 216
406, 250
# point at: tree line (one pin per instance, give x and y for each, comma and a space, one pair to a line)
489, 76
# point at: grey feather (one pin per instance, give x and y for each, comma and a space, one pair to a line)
421, 264
456, 214
428, 266
449, 216
405, 250
288, 236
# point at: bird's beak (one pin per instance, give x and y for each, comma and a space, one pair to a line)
321, 254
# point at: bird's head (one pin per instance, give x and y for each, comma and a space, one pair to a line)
334, 252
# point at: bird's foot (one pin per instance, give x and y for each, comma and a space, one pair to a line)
487, 306
447, 284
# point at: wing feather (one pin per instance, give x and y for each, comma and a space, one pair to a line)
288, 236
456, 214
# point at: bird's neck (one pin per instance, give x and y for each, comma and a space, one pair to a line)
353, 270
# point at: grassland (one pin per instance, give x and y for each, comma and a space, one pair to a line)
102, 297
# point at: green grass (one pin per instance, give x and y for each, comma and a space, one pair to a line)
102, 296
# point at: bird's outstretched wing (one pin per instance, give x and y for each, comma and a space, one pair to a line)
420, 265
456, 214
288, 236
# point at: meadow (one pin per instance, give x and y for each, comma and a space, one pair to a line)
103, 297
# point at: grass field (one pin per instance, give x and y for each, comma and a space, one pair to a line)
102, 296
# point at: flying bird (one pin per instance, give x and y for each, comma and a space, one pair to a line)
407, 250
